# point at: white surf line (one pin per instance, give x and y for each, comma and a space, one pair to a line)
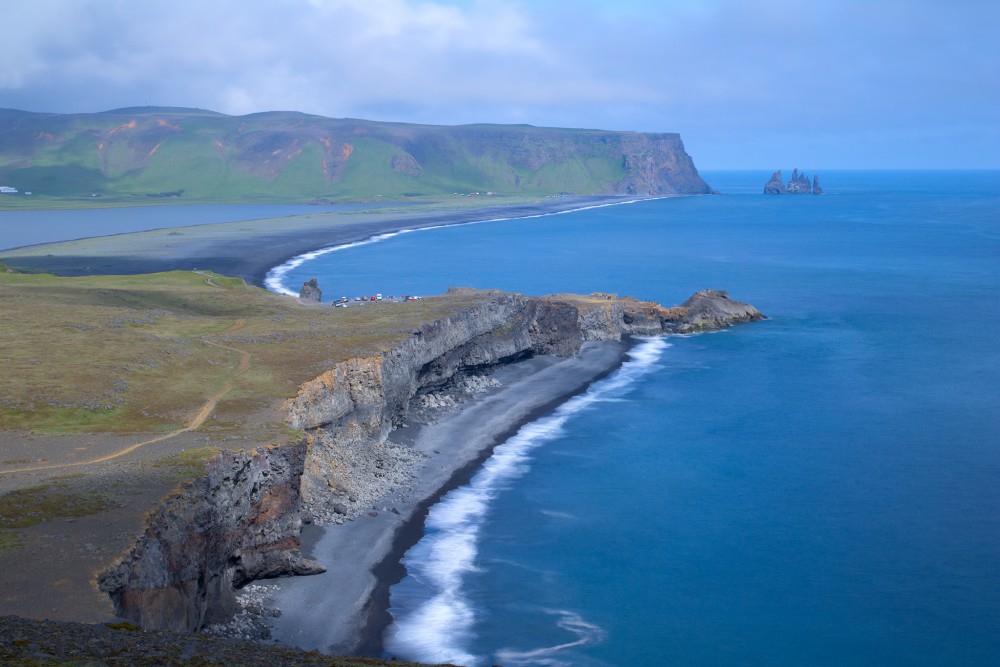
274, 280
438, 627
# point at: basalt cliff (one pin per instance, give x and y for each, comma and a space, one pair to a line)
241, 520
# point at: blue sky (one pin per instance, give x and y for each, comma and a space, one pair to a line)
748, 84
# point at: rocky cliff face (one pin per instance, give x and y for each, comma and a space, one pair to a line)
238, 523
241, 521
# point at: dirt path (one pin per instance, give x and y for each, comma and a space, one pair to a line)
203, 413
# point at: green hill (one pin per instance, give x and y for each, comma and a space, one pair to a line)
199, 155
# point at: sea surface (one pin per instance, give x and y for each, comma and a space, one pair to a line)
822, 488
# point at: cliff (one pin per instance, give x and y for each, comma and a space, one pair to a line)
197, 155
241, 520
238, 523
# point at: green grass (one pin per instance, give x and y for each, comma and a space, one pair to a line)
135, 153
125, 354
30, 506
187, 464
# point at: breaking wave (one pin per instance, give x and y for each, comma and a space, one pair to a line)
434, 620
275, 279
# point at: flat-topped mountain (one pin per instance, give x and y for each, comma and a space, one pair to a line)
199, 155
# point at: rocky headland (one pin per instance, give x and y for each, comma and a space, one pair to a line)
129, 155
798, 184
242, 519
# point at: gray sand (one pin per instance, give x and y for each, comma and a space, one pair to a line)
335, 612
249, 249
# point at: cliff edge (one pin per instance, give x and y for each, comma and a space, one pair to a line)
197, 155
242, 520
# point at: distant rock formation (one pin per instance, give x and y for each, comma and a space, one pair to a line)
775, 186
310, 291
798, 184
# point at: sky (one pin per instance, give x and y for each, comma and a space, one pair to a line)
749, 84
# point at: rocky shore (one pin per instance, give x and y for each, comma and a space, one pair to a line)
242, 521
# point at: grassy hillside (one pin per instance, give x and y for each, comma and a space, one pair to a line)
157, 346
157, 153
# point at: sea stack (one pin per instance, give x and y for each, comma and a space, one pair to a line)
798, 184
310, 291
775, 186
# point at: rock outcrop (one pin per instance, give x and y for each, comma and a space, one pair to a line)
775, 186
798, 184
310, 291
238, 523
241, 521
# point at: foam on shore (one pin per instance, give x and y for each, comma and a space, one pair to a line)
275, 278
434, 616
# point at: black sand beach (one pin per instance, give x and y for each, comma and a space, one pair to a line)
249, 249
345, 611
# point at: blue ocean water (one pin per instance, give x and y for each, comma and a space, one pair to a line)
822, 488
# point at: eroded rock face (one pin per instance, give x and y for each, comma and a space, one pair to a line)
238, 523
241, 521
775, 186
354, 406
310, 291
709, 309
798, 184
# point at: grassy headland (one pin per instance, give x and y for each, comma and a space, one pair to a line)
117, 388
140, 354
156, 154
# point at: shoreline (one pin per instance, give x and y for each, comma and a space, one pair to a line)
346, 610
272, 279
251, 249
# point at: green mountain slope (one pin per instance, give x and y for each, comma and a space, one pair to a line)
199, 155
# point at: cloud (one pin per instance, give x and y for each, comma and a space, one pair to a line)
729, 67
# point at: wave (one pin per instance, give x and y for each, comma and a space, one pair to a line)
274, 280
585, 633
435, 623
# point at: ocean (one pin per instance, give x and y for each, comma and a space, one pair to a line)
821, 488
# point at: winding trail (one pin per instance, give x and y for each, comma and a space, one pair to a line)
203, 413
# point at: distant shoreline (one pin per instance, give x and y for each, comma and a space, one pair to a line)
250, 249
